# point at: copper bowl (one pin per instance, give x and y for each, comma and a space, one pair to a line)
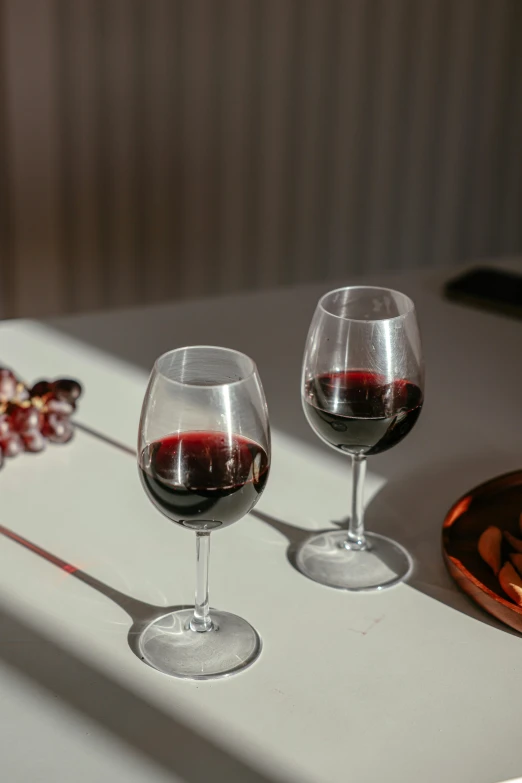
496, 502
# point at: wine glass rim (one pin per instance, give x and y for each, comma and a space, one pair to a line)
251, 371
409, 302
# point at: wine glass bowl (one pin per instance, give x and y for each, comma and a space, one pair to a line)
362, 393
203, 459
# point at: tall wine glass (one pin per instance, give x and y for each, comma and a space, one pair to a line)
203, 457
362, 392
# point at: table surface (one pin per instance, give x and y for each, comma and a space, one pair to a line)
414, 683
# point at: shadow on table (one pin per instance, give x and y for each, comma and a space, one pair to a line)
295, 535
411, 510
298, 535
166, 741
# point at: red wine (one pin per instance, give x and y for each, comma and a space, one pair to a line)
204, 480
360, 412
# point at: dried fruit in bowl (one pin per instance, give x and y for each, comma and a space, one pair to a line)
490, 548
511, 583
516, 559
513, 541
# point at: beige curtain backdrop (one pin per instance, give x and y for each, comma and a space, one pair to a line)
165, 148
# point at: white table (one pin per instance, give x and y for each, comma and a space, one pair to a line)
408, 685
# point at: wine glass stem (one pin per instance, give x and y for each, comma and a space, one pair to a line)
201, 621
356, 539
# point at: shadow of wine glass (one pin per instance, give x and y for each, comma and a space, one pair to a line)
168, 741
296, 536
140, 612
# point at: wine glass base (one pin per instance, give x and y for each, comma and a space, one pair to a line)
169, 645
325, 559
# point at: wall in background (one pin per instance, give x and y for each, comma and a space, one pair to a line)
166, 148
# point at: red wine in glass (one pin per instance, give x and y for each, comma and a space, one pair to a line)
204, 480
360, 412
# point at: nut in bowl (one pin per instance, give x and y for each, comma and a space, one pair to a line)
482, 546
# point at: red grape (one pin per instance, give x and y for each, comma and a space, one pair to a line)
62, 407
58, 429
34, 441
7, 384
28, 417
24, 418
40, 389
21, 393
5, 427
67, 389
12, 445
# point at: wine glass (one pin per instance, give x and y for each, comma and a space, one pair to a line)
362, 392
203, 458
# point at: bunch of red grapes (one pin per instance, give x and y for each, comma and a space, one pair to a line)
31, 416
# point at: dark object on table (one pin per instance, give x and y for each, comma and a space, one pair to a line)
490, 289
497, 502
